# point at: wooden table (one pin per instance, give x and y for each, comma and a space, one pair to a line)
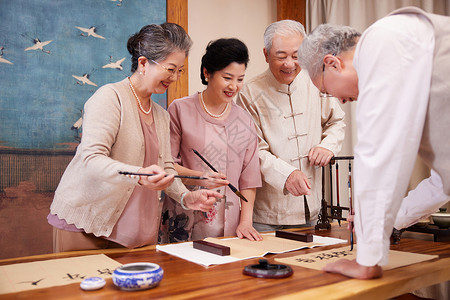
184, 280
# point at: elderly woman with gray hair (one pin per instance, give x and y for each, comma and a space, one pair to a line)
397, 72
124, 130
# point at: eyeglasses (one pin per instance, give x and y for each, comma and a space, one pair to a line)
322, 86
172, 71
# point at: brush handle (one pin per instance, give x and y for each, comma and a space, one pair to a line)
205, 161
148, 174
350, 204
337, 185
232, 187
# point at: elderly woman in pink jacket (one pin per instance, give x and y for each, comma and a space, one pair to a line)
224, 134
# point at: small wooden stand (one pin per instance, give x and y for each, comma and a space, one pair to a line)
335, 210
322, 219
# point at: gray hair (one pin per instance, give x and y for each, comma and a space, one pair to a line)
157, 42
325, 39
284, 28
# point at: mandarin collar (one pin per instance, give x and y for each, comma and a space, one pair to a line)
280, 87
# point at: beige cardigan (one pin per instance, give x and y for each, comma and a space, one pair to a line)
290, 120
91, 193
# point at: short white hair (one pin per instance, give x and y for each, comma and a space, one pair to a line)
284, 28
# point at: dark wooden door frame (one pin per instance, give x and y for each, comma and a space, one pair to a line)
291, 9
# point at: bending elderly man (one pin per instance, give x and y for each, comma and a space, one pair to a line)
397, 72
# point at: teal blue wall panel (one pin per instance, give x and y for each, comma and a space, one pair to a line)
45, 45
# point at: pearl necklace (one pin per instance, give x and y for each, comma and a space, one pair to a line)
139, 101
208, 112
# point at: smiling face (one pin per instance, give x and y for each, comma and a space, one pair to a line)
282, 58
339, 78
161, 74
224, 84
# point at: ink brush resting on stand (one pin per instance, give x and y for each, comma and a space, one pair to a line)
332, 210
350, 205
232, 187
338, 209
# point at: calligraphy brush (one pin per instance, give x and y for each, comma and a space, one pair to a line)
232, 187
350, 205
148, 174
337, 194
331, 191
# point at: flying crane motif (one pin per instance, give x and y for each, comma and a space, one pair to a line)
91, 31
120, 2
82, 80
38, 45
114, 65
3, 60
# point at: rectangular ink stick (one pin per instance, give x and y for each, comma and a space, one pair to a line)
297, 236
212, 248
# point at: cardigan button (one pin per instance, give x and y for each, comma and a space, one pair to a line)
160, 155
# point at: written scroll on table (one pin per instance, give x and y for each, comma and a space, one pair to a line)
318, 260
54, 272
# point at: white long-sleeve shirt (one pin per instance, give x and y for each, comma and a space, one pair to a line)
393, 60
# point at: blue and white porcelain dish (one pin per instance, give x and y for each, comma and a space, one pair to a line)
92, 283
137, 276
